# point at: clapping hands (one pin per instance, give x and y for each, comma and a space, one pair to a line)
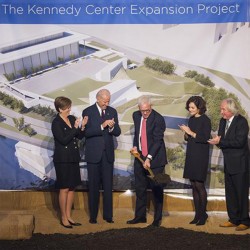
215, 140
83, 123
185, 129
109, 123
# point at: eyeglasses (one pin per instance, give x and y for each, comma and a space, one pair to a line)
145, 110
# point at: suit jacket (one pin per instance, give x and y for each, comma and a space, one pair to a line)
234, 145
66, 143
97, 139
155, 137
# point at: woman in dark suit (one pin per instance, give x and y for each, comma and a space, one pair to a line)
66, 158
197, 133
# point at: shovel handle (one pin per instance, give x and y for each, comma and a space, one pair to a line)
137, 155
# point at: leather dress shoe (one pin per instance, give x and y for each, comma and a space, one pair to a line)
92, 221
109, 221
66, 226
227, 224
241, 227
155, 224
137, 220
74, 223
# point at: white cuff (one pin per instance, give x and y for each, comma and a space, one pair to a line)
149, 157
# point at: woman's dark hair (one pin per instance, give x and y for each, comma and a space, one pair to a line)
62, 102
198, 102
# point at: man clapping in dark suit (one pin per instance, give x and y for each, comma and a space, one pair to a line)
149, 141
99, 153
232, 139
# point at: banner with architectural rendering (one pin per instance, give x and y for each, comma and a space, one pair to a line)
73, 48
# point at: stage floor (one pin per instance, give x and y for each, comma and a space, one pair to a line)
43, 206
47, 222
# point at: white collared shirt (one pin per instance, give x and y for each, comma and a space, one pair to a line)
99, 109
230, 121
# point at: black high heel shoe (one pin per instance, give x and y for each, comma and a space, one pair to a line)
194, 221
202, 220
66, 226
74, 223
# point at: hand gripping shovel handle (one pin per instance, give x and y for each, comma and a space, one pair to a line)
161, 178
137, 155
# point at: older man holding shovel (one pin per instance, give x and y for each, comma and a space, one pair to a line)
149, 143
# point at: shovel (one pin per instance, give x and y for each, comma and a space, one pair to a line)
160, 179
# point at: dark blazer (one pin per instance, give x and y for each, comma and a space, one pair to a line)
155, 137
66, 146
98, 139
234, 145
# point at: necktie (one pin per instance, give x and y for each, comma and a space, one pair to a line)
144, 144
227, 126
103, 114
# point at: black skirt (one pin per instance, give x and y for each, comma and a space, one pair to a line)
67, 175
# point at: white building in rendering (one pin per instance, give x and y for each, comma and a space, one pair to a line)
48, 46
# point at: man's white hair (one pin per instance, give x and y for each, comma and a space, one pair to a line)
231, 105
144, 99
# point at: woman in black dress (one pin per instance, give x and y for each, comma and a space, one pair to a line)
197, 133
66, 131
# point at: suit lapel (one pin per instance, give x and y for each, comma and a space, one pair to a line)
107, 114
138, 122
96, 113
150, 120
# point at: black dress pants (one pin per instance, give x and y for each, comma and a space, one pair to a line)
100, 173
142, 183
237, 191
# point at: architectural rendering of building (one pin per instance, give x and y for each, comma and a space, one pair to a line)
29, 54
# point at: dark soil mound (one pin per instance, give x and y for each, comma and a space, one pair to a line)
132, 238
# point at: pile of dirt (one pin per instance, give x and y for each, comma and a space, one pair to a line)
130, 239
